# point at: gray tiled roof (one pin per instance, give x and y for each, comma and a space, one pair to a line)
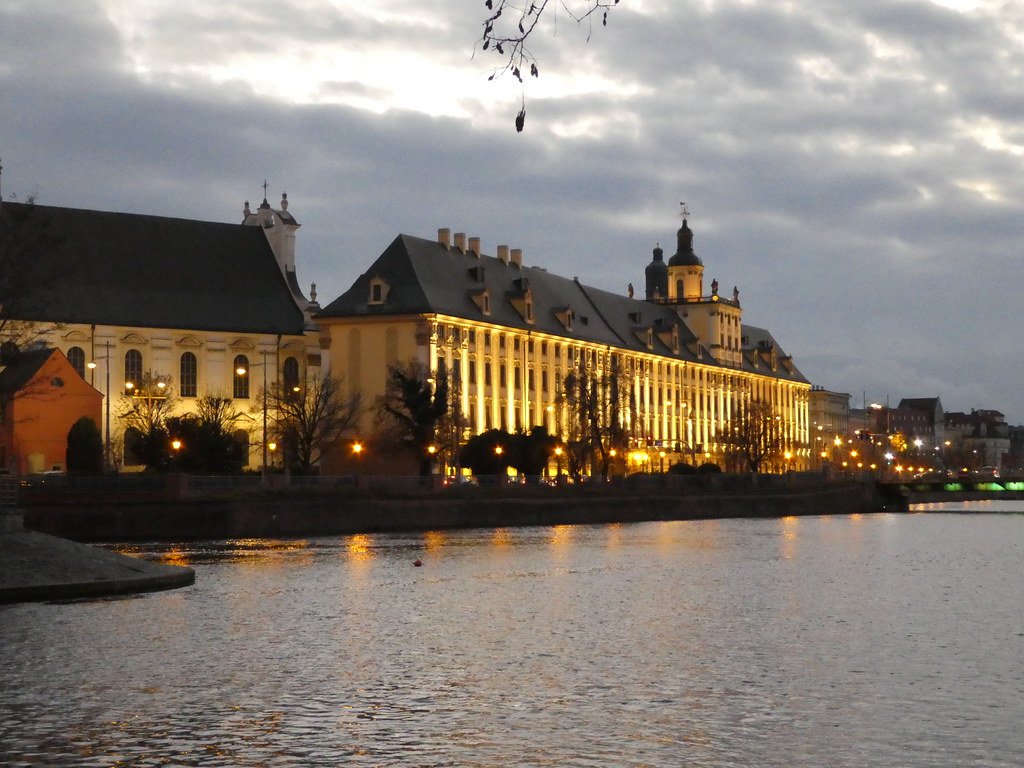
147, 271
425, 277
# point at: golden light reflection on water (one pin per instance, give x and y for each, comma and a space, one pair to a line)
790, 527
561, 536
252, 551
434, 540
359, 547
501, 537
175, 556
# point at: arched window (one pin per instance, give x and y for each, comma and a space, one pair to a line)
241, 377
188, 375
132, 369
76, 356
290, 374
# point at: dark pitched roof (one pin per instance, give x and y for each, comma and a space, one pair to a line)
18, 371
426, 277
147, 271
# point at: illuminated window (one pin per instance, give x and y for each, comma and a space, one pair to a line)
132, 369
76, 356
290, 374
240, 373
188, 375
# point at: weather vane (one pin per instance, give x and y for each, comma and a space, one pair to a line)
265, 185
683, 211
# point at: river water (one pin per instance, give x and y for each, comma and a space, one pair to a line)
875, 640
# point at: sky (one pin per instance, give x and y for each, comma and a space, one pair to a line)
854, 168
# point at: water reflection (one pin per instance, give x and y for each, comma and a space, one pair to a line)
880, 640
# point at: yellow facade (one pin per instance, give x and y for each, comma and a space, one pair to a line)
512, 379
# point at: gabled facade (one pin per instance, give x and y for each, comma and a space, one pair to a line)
41, 397
210, 308
508, 336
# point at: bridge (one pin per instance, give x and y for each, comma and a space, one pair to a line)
934, 491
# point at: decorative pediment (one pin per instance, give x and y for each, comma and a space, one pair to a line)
242, 344
189, 341
76, 335
133, 338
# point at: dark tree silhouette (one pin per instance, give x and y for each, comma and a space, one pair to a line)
85, 448
415, 406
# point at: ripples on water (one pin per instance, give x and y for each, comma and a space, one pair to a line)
883, 640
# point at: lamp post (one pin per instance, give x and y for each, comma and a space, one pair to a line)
244, 372
106, 397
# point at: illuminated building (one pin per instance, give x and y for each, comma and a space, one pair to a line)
679, 365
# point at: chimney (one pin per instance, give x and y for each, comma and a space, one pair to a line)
460, 241
503, 253
444, 237
517, 257
474, 245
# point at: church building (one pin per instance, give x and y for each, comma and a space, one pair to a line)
197, 308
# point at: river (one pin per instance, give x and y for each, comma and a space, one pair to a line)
874, 640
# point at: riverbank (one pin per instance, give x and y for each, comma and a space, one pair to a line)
302, 513
37, 566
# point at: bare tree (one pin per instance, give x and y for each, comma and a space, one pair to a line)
596, 411
753, 435
509, 25
308, 420
144, 409
414, 406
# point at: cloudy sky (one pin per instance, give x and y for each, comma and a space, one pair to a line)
853, 167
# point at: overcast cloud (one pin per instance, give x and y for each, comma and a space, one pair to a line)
854, 168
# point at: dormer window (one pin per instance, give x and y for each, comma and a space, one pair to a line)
379, 289
482, 299
565, 317
650, 338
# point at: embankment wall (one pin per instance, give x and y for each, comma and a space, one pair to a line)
287, 515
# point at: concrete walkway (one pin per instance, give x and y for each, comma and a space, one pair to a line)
36, 566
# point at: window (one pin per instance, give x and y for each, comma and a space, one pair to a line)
132, 369
76, 356
472, 370
188, 375
290, 374
240, 374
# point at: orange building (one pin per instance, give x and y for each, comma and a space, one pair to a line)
41, 395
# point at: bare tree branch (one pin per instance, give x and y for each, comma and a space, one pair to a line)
510, 25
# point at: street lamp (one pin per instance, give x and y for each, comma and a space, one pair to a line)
242, 371
106, 397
